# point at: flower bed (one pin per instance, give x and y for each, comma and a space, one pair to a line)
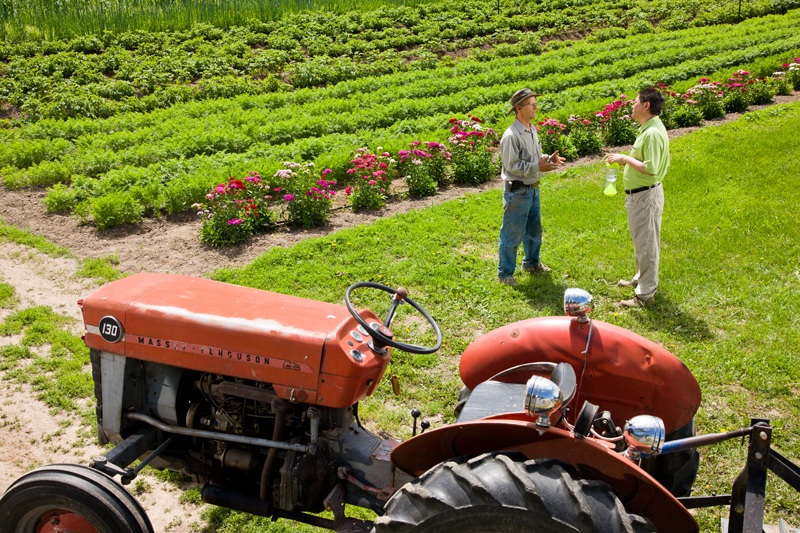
301, 197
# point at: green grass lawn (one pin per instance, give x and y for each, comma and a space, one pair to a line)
727, 302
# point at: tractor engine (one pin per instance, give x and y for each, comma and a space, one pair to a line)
253, 393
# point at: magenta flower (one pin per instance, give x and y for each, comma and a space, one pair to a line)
289, 197
235, 221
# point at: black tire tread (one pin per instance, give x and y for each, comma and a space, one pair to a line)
81, 483
507, 482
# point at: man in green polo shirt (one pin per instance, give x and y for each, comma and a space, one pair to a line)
645, 168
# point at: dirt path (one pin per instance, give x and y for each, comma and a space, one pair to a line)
31, 435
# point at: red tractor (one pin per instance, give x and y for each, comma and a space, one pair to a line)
255, 395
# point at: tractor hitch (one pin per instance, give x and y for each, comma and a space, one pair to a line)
747, 495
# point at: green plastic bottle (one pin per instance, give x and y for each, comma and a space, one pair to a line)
611, 179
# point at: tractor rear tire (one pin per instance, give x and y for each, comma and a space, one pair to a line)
78, 497
504, 492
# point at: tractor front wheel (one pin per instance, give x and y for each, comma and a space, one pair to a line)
504, 492
72, 498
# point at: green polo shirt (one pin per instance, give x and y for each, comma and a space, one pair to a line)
652, 148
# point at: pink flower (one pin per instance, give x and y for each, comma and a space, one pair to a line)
235, 221
289, 197
372, 182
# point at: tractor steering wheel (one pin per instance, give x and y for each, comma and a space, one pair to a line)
382, 336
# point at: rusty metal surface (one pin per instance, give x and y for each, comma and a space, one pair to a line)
626, 374
241, 332
639, 492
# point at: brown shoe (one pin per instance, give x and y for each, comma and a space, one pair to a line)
538, 267
632, 284
637, 302
510, 281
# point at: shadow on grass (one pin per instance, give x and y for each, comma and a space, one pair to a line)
667, 315
544, 293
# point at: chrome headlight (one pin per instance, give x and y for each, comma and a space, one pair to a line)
577, 303
644, 434
542, 399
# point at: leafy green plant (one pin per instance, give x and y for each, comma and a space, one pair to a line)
618, 128
59, 197
371, 177
471, 145
686, 116
553, 137
584, 135
438, 166
419, 182
707, 95
793, 72
115, 209
308, 198
235, 210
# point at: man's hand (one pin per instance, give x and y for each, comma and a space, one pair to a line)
546, 164
620, 159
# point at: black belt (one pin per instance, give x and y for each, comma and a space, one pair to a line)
517, 184
641, 189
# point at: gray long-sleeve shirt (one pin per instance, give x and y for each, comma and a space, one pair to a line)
520, 152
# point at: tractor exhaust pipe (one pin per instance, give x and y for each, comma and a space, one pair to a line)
279, 407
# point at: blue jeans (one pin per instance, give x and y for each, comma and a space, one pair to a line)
522, 223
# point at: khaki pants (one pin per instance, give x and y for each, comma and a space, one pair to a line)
644, 222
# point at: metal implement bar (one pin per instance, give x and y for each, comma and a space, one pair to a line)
152, 456
749, 489
698, 502
703, 440
241, 439
785, 469
132, 448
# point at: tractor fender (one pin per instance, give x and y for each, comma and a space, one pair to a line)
591, 458
625, 374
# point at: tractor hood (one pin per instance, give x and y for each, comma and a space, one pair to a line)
216, 327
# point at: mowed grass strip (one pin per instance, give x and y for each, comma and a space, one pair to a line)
727, 302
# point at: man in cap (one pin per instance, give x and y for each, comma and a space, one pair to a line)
645, 168
523, 165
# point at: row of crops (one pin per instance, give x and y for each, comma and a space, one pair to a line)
167, 159
26, 20
101, 75
215, 137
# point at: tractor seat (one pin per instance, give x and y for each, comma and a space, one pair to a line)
495, 397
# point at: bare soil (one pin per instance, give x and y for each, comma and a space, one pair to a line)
29, 431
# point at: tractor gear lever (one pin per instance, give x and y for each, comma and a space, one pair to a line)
415, 413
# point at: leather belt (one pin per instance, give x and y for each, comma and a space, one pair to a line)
641, 189
517, 184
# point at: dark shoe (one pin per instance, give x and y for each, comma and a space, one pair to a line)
510, 281
637, 302
538, 267
632, 284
